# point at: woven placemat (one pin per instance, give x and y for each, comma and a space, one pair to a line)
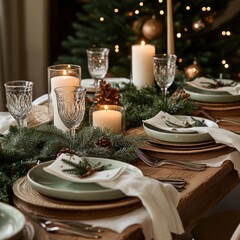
187, 155
29, 200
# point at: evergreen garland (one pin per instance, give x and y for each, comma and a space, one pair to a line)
23, 148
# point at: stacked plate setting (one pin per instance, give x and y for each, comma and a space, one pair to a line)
200, 90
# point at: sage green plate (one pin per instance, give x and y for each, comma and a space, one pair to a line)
55, 187
210, 96
12, 222
179, 137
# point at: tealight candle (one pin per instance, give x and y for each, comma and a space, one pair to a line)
59, 76
108, 117
142, 64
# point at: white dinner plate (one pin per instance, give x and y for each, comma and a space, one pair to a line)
89, 83
210, 96
12, 222
179, 137
55, 187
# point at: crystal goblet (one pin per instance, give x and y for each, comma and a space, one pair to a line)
71, 106
19, 99
97, 63
164, 67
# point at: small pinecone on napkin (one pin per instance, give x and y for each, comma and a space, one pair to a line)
107, 95
104, 142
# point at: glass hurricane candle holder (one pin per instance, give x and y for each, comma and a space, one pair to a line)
60, 75
108, 116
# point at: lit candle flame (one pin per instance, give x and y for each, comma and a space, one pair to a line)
106, 107
142, 43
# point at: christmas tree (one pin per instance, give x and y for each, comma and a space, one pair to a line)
117, 25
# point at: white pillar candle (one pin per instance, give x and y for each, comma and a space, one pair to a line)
142, 64
60, 81
170, 32
108, 119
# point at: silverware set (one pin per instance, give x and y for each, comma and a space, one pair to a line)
69, 227
157, 162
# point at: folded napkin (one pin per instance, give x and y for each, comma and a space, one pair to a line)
160, 200
202, 81
5, 121
57, 167
161, 120
220, 135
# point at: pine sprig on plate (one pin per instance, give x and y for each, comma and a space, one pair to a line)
83, 168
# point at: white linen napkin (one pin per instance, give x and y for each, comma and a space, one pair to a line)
200, 82
160, 200
5, 121
57, 167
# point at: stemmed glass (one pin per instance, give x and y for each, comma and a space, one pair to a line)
164, 67
97, 63
19, 99
71, 106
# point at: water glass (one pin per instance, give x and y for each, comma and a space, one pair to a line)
97, 63
71, 106
164, 67
58, 76
19, 99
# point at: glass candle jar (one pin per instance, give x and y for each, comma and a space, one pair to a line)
108, 116
60, 75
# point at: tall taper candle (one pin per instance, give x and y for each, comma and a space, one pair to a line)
170, 32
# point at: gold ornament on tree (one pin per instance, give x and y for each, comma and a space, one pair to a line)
107, 95
193, 70
152, 28
137, 24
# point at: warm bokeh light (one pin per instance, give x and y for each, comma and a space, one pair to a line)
188, 8
101, 19
161, 12
179, 35
116, 10
136, 11
141, 4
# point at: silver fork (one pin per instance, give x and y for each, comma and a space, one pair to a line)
159, 162
49, 226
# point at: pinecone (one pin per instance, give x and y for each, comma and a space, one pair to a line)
181, 93
103, 142
107, 95
65, 150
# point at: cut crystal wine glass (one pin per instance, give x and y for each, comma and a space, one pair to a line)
97, 63
19, 100
71, 106
164, 67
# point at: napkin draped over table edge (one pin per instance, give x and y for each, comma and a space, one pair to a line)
160, 200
